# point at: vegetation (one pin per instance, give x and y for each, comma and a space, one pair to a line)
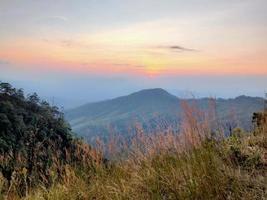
198, 163
36, 144
161, 167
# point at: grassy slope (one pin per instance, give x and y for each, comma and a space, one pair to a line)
234, 168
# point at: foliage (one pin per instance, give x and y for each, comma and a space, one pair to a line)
210, 170
36, 143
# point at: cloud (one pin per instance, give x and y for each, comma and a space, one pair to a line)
180, 48
69, 43
4, 62
128, 65
176, 48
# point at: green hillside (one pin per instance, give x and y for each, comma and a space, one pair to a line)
155, 110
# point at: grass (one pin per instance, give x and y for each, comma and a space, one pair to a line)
212, 170
195, 164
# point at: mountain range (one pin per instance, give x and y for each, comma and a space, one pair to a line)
154, 110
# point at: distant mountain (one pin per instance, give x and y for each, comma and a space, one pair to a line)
153, 109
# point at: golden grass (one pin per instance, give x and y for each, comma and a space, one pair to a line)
209, 171
195, 164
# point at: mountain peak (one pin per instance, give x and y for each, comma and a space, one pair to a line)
152, 92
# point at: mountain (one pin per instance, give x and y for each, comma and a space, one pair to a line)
122, 113
153, 109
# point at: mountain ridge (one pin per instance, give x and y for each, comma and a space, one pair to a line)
149, 107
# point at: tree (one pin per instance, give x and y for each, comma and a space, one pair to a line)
33, 98
35, 141
6, 88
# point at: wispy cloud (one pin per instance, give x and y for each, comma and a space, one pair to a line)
69, 43
176, 48
4, 62
180, 48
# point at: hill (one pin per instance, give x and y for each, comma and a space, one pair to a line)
154, 110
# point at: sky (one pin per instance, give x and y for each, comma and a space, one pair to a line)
89, 50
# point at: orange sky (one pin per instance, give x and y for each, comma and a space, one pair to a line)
222, 40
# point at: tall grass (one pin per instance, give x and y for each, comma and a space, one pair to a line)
198, 163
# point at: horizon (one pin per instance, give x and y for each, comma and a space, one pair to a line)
186, 95
87, 51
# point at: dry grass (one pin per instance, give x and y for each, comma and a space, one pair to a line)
196, 164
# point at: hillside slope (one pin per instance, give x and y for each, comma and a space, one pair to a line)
154, 110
